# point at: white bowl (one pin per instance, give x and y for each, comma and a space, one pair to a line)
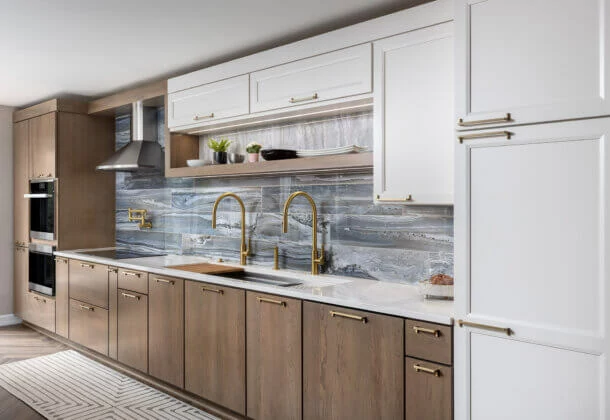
195, 162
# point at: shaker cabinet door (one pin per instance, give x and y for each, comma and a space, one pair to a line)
132, 329
43, 136
21, 186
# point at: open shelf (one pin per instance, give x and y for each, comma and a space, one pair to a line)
354, 162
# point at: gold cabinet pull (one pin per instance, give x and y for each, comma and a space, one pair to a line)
113, 270
127, 295
407, 198
505, 118
436, 333
87, 265
309, 98
203, 117
419, 368
39, 299
362, 319
209, 289
131, 274
61, 260
170, 282
86, 308
493, 328
273, 301
489, 134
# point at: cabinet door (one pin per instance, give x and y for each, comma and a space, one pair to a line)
206, 103
21, 176
334, 75
112, 311
89, 326
535, 60
40, 311
89, 283
531, 250
353, 364
20, 282
413, 109
43, 134
132, 330
215, 347
166, 329
428, 390
274, 355
62, 297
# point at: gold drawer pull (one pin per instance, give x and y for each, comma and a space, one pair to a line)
209, 289
203, 117
113, 270
503, 119
436, 333
130, 274
489, 134
502, 330
61, 260
275, 302
170, 282
362, 319
435, 372
39, 299
86, 308
87, 265
408, 198
127, 295
309, 98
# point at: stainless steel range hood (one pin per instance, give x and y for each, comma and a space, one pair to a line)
143, 153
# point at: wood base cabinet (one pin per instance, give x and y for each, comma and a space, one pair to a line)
274, 355
353, 364
215, 344
428, 390
132, 329
89, 326
40, 311
20, 282
62, 297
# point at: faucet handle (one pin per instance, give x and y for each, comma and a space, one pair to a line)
248, 250
321, 258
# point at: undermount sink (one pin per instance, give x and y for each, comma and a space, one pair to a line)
262, 278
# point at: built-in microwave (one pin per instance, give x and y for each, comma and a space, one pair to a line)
42, 269
42, 209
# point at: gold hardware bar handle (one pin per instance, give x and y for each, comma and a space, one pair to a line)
436, 333
309, 98
127, 295
91, 266
435, 372
203, 117
61, 260
130, 274
170, 282
489, 134
86, 308
209, 289
275, 302
408, 198
506, 118
362, 319
113, 270
39, 299
502, 330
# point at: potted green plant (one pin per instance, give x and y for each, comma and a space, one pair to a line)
220, 148
253, 149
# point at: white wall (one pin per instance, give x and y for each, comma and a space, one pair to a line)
6, 210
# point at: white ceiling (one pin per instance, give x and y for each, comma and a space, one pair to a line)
92, 48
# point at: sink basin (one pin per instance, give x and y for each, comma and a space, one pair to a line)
262, 278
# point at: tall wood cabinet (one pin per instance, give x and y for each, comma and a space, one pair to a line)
43, 147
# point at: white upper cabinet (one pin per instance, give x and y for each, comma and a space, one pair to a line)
526, 61
531, 246
334, 75
414, 137
223, 99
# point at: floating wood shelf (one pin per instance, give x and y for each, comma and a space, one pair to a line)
355, 162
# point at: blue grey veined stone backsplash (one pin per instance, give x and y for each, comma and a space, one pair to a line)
387, 243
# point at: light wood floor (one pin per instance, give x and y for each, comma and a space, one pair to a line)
19, 343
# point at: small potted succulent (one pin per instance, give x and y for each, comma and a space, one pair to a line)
253, 149
220, 148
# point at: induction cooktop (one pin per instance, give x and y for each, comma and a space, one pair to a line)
121, 254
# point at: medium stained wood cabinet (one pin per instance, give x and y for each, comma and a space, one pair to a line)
215, 344
20, 282
21, 175
89, 283
166, 329
274, 355
43, 136
62, 297
89, 326
132, 329
40, 311
428, 390
353, 364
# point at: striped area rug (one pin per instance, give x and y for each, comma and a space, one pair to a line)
67, 385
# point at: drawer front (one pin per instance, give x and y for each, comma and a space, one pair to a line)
428, 390
89, 326
41, 311
328, 76
207, 103
89, 283
132, 330
429, 341
136, 281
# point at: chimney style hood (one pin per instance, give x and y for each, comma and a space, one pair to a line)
143, 153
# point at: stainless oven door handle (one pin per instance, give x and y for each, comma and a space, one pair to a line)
37, 196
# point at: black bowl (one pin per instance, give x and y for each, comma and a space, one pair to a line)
277, 154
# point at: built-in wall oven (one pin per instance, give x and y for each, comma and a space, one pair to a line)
42, 209
42, 269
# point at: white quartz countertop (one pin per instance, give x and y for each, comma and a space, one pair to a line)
376, 296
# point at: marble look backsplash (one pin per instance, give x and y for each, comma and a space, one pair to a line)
387, 243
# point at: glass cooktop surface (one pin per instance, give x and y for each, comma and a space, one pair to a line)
122, 254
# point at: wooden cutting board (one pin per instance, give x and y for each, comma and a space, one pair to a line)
206, 268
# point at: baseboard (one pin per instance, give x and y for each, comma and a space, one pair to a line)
9, 319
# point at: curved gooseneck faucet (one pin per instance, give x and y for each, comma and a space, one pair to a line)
244, 251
